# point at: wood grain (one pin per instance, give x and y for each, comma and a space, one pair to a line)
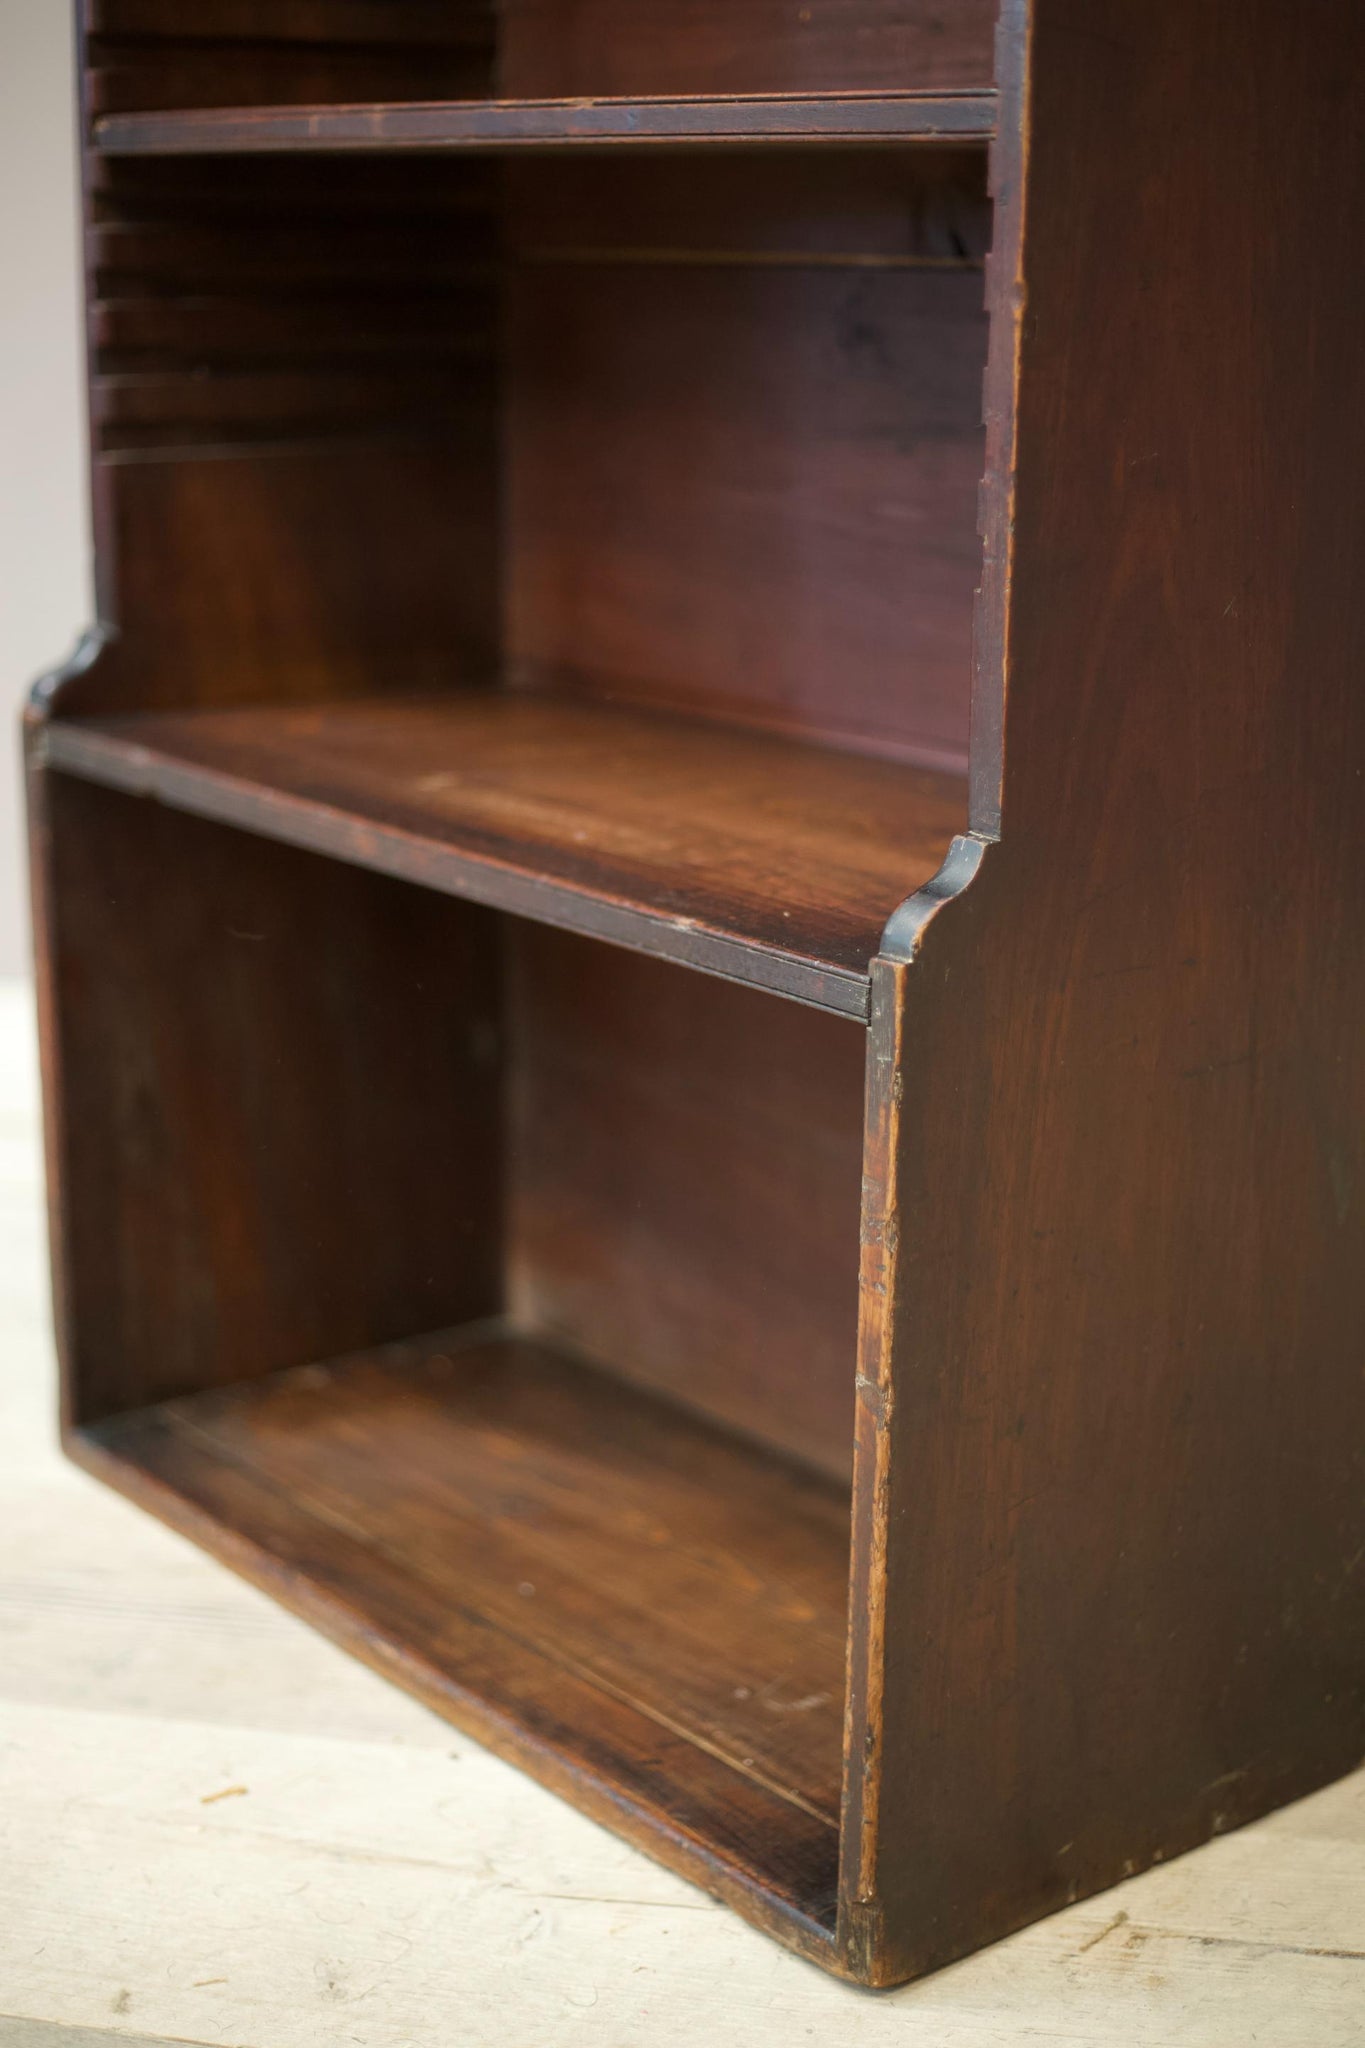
553, 1559
879, 207
191, 551
753, 856
1123, 1505
683, 1177
311, 307
715, 450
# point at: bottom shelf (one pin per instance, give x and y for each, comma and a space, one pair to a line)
645, 1612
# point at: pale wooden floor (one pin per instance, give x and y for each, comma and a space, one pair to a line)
216, 1828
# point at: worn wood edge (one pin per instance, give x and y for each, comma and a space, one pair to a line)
859, 1932
866, 1953
906, 926
1005, 309
182, 1416
318, 828
555, 123
588, 1790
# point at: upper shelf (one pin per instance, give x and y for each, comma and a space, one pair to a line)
767, 860
553, 124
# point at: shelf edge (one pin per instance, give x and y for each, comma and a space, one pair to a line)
317, 827
552, 124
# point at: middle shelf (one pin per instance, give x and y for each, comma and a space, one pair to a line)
768, 860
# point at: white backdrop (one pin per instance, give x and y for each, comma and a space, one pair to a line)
44, 544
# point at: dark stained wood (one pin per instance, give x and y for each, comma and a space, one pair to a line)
415, 205
166, 53
201, 329
150, 54
435, 499
552, 124
192, 550
819, 424
868, 208
717, 46
296, 1155
756, 857
298, 1105
683, 1173
1006, 299
375, 24
358, 310
1121, 1204
555, 1560
136, 412
212, 257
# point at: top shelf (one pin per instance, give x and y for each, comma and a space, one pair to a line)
491, 125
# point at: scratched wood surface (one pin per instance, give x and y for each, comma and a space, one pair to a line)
214, 1827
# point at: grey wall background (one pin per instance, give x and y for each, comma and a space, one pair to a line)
44, 540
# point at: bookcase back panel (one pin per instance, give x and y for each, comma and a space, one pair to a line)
636, 47
146, 54
293, 574
743, 438
684, 1170
294, 413
279, 1129
150, 54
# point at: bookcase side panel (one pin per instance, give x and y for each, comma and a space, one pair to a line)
744, 437
1126, 1414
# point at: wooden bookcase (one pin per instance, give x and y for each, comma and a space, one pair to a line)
600, 788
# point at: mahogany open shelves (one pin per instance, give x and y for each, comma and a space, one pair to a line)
554, 124
761, 858
725, 779
631, 1600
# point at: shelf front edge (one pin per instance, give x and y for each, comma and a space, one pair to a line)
316, 827
553, 124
